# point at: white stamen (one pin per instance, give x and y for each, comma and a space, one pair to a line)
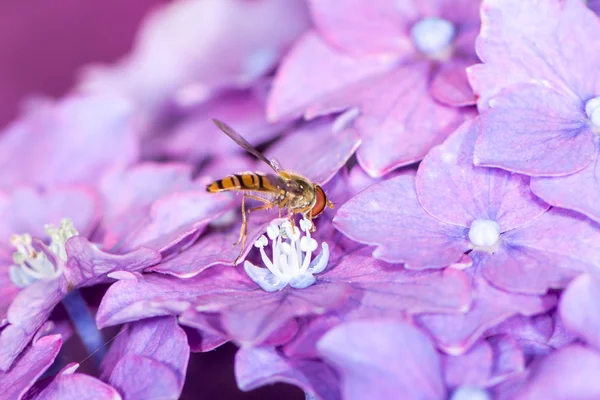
484, 234
433, 37
292, 255
31, 265
592, 109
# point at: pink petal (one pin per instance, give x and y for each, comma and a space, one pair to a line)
579, 191
88, 265
579, 308
530, 42
366, 27
312, 72
316, 151
535, 130
176, 218
384, 359
29, 367
453, 190
389, 216
243, 110
259, 366
27, 211
399, 122
450, 85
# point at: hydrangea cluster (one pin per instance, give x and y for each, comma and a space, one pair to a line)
459, 141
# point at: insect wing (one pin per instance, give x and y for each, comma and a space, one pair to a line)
236, 137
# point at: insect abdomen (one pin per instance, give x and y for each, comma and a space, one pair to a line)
246, 181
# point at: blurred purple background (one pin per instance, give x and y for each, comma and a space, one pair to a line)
44, 43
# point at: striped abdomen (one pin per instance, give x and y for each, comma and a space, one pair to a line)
243, 181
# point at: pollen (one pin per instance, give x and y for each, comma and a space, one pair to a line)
291, 262
433, 37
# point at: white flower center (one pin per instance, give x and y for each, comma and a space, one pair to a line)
433, 37
31, 265
592, 109
470, 393
291, 264
484, 234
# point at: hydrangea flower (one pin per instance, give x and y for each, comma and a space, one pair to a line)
538, 93
453, 207
213, 45
398, 361
155, 351
40, 148
30, 366
391, 65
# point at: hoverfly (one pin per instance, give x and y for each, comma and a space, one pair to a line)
284, 189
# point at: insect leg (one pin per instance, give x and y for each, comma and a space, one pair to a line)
244, 229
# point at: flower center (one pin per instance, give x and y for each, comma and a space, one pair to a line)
592, 109
470, 393
433, 36
31, 264
484, 234
291, 264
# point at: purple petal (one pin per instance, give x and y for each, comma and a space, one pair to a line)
536, 256
155, 350
532, 334
201, 341
27, 211
508, 357
456, 333
472, 368
579, 308
450, 85
389, 216
259, 366
316, 151
35, 149
312, 72
243, 110
393, 289
129, 193
213, 249
579, 191
364, 27
157, 295
550, 132
72, 386
451, 189
29, 367
88, 265
27, 313
529, 42
399, 122
397, 361
526, 270
250, 317
176, 218
569, 373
